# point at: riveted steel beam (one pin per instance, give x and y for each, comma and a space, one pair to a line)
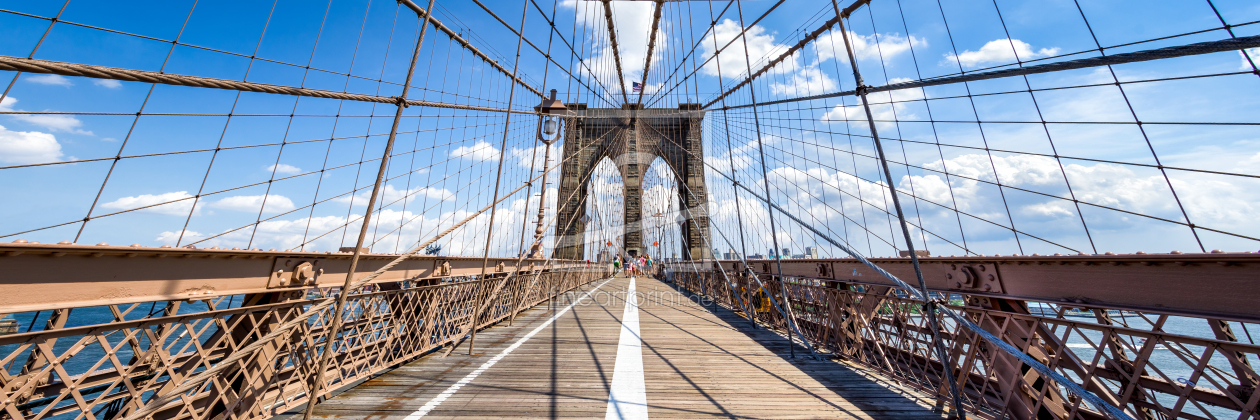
1200, 285
105, 275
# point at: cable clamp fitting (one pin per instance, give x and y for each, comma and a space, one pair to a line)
862, 90
401, 101
932, 304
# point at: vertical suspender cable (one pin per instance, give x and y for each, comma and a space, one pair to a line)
774, 233
929, 305
507, 119
331, 335
730, 154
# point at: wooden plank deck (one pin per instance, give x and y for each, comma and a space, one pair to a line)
696, 363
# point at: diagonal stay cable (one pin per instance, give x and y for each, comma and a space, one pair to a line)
1133, 57
647, 61
158, 402
612, 38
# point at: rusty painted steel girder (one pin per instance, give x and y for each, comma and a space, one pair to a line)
1201, 285
86, 275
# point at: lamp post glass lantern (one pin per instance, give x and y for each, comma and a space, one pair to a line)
548, 133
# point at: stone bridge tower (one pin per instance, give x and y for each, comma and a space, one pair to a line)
632, 138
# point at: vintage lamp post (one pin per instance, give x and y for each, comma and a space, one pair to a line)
548, 133
660, 232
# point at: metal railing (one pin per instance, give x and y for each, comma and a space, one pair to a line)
114, 360
1150, 363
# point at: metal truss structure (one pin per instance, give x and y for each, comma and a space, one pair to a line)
1113, 339
407, 140
209, 334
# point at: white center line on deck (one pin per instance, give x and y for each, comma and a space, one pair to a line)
433, 403
628, 397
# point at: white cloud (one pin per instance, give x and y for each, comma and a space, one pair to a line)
1054, 210
49, 79
62, 123
479, 152
733, 61
809, 81
1000, 51
251, 203
1209, 200
886, 108
169, 237
392, 195
866, 47
107, 83
24, 147
534, 156
281, 168
177, 208
396, 230
1250, 164
1254, 53
633, 23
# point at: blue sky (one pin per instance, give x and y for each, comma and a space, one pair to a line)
817, 152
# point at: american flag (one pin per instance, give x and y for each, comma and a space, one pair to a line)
637, 87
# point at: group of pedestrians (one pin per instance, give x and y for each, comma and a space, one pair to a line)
633, 266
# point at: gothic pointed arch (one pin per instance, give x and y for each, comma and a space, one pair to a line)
632, 139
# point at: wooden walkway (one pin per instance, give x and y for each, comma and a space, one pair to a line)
694, 363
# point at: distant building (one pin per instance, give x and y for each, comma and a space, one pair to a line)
756, 257
811, 252
787, 253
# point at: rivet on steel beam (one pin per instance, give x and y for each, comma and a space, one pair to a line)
20, 241
1109, 253
136, 245
236, 248
1217, 251
1175, 252
166, 246
65, 243
103, 244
